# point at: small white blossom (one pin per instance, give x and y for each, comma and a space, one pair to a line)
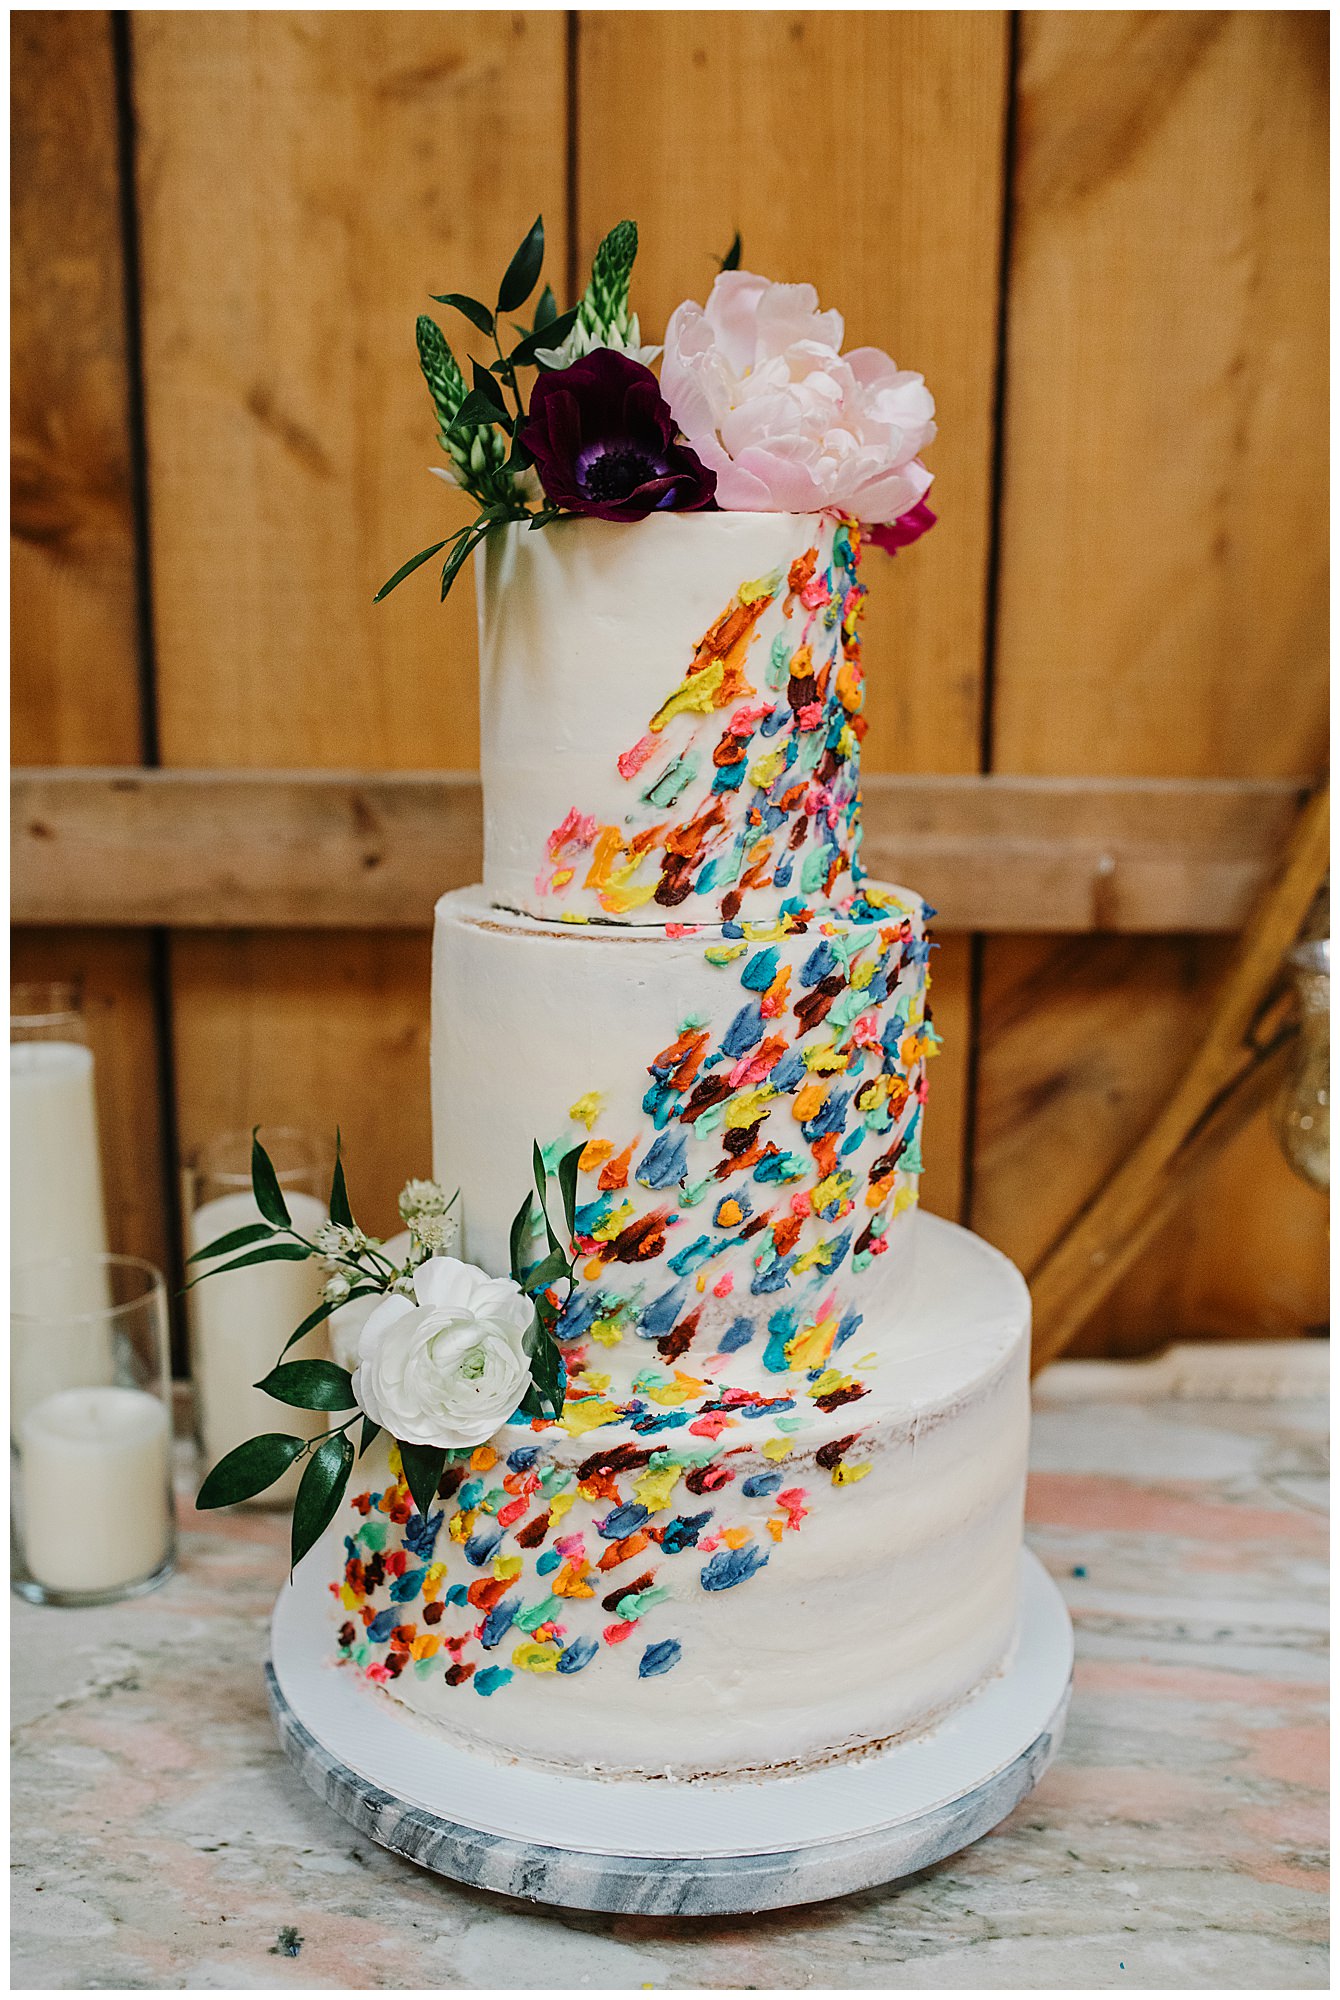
422, 1198
581, 342
337, 1289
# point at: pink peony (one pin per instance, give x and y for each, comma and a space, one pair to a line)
790, 425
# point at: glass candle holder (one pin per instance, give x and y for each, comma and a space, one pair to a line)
90, 1431
1303, 1111
56, 1208
240, 1320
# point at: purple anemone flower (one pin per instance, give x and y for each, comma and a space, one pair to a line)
604, 442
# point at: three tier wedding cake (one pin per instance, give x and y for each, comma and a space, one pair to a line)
762, 1520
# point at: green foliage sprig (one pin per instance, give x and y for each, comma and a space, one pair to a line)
358, 1268
478, 423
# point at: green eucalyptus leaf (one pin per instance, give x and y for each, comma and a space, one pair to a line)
408, 569
517, 1239
320, 1491
548, 1272
423, 1465
269, 1253
368, 1433
310, 1385
477, 314
265, 1185
731, 260
340, 1210
546, 1371
324, 1311
541, 1173
236, 1239
479, 408
553, 334
248, 1469
452, 566
567, 1183
486, 385
519, 279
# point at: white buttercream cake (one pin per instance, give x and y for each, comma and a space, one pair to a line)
771, 1525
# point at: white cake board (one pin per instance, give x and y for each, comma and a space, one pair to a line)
656, 1848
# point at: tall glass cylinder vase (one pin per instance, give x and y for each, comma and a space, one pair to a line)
240, 1320
90, 1431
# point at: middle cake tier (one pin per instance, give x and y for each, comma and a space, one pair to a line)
749, 1104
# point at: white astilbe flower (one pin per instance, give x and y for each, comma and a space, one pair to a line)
422, 1198
337, 1288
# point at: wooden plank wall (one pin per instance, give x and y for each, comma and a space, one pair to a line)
1102, 236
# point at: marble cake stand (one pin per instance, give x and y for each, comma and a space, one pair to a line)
657, 1849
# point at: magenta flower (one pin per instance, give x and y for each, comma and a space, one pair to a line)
909, 527
604, 442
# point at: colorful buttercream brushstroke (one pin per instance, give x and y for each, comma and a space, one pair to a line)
758, 785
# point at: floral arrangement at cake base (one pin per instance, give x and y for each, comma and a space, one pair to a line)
446, 1356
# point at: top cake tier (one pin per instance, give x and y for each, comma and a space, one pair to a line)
671, 716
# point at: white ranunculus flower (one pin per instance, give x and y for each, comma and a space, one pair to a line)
449, 1366
790, 424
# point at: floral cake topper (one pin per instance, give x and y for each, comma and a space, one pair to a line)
757, 408
447, 1355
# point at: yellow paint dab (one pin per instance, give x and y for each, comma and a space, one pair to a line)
776, 1449
483, 1458
425, 1646
847, 1475
653, 1489
594, 1154
811, 1348
561, 1504
587, 1109
536, 1659
506, 1567
776, 1527
462, 1521
349, 1597
587, 1415
735, 1538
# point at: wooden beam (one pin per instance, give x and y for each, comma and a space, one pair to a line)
1236, 1066
372, 850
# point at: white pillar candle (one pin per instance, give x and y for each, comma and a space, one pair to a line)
56, 1211
55, 1189
95, 1469
239, 1322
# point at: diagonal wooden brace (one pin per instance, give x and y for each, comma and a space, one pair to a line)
1236, 1067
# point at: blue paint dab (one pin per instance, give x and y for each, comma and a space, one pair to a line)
760, 1484
683, 1532
382, 1626
745, 1031
790, 1072
522, 1459
661, 1314
499, 1621
700, 1251
773, 1276
420, 1535
550, 1560
731, 1566
665, 1164
738, 1334
761, 970
576, 1656
407, 1586
457, 1594
658, 1659
818, 965
489, 1679
625, 1520
483, 1545
850, 1322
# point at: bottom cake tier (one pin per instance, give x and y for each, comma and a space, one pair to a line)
761, 1591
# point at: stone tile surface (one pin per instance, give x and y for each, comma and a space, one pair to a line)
160, 1840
